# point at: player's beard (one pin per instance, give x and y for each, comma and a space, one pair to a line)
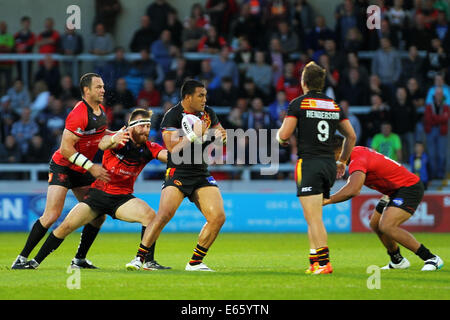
139, 138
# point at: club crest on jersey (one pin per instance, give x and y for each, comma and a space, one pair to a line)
398, 201
211, 180
79, 131
177, 182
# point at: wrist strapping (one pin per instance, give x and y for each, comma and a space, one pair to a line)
81, 160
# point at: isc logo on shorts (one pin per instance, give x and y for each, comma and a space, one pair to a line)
306, 189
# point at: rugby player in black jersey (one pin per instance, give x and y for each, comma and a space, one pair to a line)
188, 178
316, 118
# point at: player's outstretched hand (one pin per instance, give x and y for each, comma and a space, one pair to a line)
99, 172
325, 201
221, 133
122, 136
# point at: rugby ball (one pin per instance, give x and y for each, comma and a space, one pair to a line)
187, 125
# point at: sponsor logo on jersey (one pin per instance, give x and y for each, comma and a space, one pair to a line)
177, 182
398, 201
92, 131
306, 189
211, 180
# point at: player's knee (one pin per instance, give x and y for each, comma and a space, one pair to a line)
385, 227
164, 216
374, 225
218, 219
97, 222
49, 218
148, 216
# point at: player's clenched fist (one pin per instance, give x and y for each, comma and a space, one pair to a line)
99, 172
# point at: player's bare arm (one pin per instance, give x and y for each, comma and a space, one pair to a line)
69, 152
351, 189
162, 156
286, 130
220, 132
173, 142
348, 132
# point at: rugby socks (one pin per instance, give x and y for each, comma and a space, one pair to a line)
424, 253
396, 257
323, 255
151, 252
36, 234
142, 252
313, 256
51, 244
199, 254
88, 236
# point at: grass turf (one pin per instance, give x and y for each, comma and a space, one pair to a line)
250, 266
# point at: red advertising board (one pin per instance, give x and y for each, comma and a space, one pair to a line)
432, 215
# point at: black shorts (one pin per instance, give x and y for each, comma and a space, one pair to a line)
68, 178
315, 176
406, 198
188, 182
105, 203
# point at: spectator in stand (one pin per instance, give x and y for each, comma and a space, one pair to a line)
235, 116
387, 64
24, 43
149, 96
438, 83
388, 143
39, 151
226, 95
41, 96
221, 13
118, 117
404, 119
206, 74
51, 121
71, 44
19, 96
419, 35
198, 14
261, 73
277, 11
6, 46
356, 124
436, 60
249, 91
302, 17
10, 153
346, 18
247, 26
429, 13
158, 11
278, 108
353, 63
163, 50
442, 6
212, 42
412, 66
224, 66
114, 69
353, 89
376, 35
175, 27
120, 95
376, 87
289, 82
191, 36
289, 40
436, 119
49, 73
353, 40
146, 67
256, 117
398, 16
379, 113
277, 58
417, 97
336, 57
8, 116
24, 129
332, 75
179, 71
315, 39
106, 13
419, 163
144, 36
67, 91
48, 41
244, 56
170, 92
100, 43
442, 30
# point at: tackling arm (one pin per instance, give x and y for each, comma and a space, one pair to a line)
287, 129
349, 190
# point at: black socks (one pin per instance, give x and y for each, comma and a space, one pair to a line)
36, 234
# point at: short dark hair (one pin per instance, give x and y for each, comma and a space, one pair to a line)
25, 18
189, 87
86, 81
314, 76
337, 142
140, 112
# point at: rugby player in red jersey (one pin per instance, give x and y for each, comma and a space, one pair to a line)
71, 167
123, 159
404, 191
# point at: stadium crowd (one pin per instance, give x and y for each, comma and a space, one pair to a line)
255, 73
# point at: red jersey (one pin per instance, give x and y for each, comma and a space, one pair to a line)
124, 164
382, 173
82, 122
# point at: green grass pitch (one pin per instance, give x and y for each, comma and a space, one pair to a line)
250, 266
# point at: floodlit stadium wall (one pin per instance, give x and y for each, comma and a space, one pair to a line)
254, 210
